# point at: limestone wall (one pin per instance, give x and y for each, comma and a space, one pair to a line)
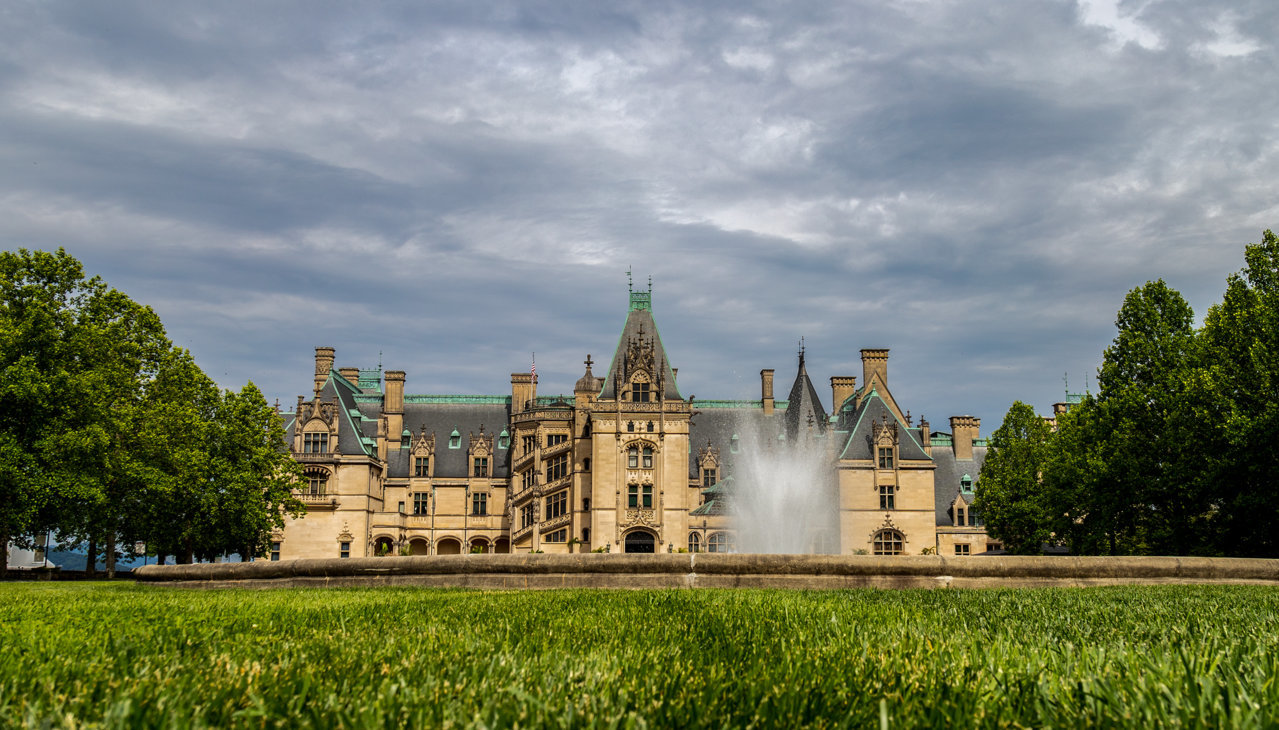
709, 570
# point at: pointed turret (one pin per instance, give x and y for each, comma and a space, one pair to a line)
640, 371
804, 412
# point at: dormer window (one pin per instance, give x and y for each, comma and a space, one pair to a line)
709, 477
734, 444
406, 439
455, 440
504, 440
641, 393
885, 457
315, 443
421, 466
966, 483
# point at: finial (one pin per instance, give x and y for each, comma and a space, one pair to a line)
630, 283
277, 405
589, 361
650, 283
1065, 378
379, 361
908, 418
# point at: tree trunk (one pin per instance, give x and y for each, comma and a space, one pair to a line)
110, 556
91, 561
160, 558
4, 555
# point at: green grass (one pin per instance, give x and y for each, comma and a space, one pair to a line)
140, 656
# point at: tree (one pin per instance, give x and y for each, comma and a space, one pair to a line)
1239, 389
1009, 494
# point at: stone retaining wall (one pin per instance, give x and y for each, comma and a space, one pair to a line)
705, 570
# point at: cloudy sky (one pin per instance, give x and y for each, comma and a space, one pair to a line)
974, 185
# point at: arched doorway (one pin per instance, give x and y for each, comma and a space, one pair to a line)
419, 546
448, 546
502, 545
383, 546
640, 541
480, 545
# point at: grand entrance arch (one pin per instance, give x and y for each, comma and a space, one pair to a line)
640, 541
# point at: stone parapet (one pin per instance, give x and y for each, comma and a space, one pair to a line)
709, 570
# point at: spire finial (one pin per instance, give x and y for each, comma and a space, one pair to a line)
630, 282
650, 283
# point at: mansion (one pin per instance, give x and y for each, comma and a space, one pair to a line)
627, 463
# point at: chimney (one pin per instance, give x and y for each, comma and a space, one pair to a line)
766, 388
523, 391
323, 364
842, 388
352, 375
874, 362
393, 403
925, 436
964, 430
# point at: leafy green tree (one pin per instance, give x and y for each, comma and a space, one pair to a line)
1239, 388
1009, 494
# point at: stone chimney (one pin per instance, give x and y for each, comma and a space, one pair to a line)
393, 403
352, 375
766, 390
964, 430
523, 392
841, 387
323, 364
874, 362
925, 436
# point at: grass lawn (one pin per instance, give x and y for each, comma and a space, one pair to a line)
140, 656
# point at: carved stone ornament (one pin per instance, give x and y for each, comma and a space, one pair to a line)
481, 445
888, 524
639, 477
885, 433
640, 517
708, 456
345, 535
424, 444
639, 356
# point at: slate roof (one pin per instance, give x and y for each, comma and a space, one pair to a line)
442, 419
804, 407
859, 424
640, 318
947, 476
717, 425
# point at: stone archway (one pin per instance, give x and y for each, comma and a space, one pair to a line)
448, 546
419, 546
640, 541
480, 545
383, 546
502, 545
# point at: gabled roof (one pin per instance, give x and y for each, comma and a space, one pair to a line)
948, 477
860, 428
804, 407
640, 327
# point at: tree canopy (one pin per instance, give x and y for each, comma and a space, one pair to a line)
110, 434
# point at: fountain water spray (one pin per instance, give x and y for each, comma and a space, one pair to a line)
784, 496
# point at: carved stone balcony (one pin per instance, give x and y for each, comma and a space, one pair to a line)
317, 501
555, 523
310, 458
556, 450
522, 533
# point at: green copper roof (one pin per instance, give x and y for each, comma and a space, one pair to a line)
496, 400
699, 403
641, 300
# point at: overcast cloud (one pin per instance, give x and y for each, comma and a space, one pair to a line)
974, 185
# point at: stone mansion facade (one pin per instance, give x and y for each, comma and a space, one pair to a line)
627, 463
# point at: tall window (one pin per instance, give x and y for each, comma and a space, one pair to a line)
632, 458
557, 504
528, 443
526, 516
528, 478
709, 478
315, 443
479, 503
640, 393
421, 466
421, 503
961, 517
639, 495
275, 551
648, 457
316, 485
885, 457
694, 542
557, 468
887, 496
889, 542
481, 466
586, 464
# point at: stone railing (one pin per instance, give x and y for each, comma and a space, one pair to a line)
317, 501
557, 449
302, 458
556, 523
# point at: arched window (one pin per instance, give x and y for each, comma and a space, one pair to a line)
630, 426
722, 542
694, 542
648, 457
650, 426
889, 542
